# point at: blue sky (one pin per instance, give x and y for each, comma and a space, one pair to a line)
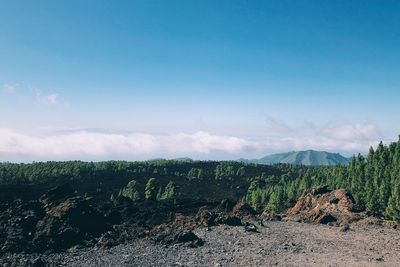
206, 79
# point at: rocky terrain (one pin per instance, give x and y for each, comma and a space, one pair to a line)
63, 228
276, 244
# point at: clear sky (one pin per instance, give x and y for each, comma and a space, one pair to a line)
207, 79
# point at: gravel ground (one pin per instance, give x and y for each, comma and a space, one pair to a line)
277, 244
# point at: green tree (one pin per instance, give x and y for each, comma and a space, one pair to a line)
195, 173
224, 171
305, 183
372, 200
255, 199
291, 193
169, 191
276, 200
149, 192
159, 194
130, 191
393, 207
384, 193
241, 171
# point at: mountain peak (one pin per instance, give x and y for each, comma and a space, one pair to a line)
305, 157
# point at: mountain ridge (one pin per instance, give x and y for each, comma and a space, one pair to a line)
304, 157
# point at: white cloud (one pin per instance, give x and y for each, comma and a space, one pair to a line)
84, 144
277, 125
76, 144
52, 99
335, 136
34, 96
9, 88
349, 131
204, 142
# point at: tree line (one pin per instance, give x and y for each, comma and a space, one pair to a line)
373, 179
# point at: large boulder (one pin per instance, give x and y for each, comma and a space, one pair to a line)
57, 194
243, 210
206, 217
228, 220
325, 206
18, 221
226, 205
179, 236
209, 218
67, 224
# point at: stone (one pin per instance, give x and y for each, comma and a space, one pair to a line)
250, 227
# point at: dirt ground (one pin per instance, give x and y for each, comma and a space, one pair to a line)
276, 244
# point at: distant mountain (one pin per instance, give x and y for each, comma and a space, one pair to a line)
308, 158
184, 159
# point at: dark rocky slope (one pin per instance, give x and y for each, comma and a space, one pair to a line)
62, 220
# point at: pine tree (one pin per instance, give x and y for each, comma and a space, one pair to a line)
241, 171
276, 200
169, 191
149, 192
393, 207
305, 183
264, 197
159, 194
356, 172
130, 191
384, 193
255, 199
291, 193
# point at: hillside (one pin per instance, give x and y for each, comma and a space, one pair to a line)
51, 208
307, 158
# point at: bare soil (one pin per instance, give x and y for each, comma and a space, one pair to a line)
277, 244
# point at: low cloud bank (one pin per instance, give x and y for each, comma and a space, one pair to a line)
86, 144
